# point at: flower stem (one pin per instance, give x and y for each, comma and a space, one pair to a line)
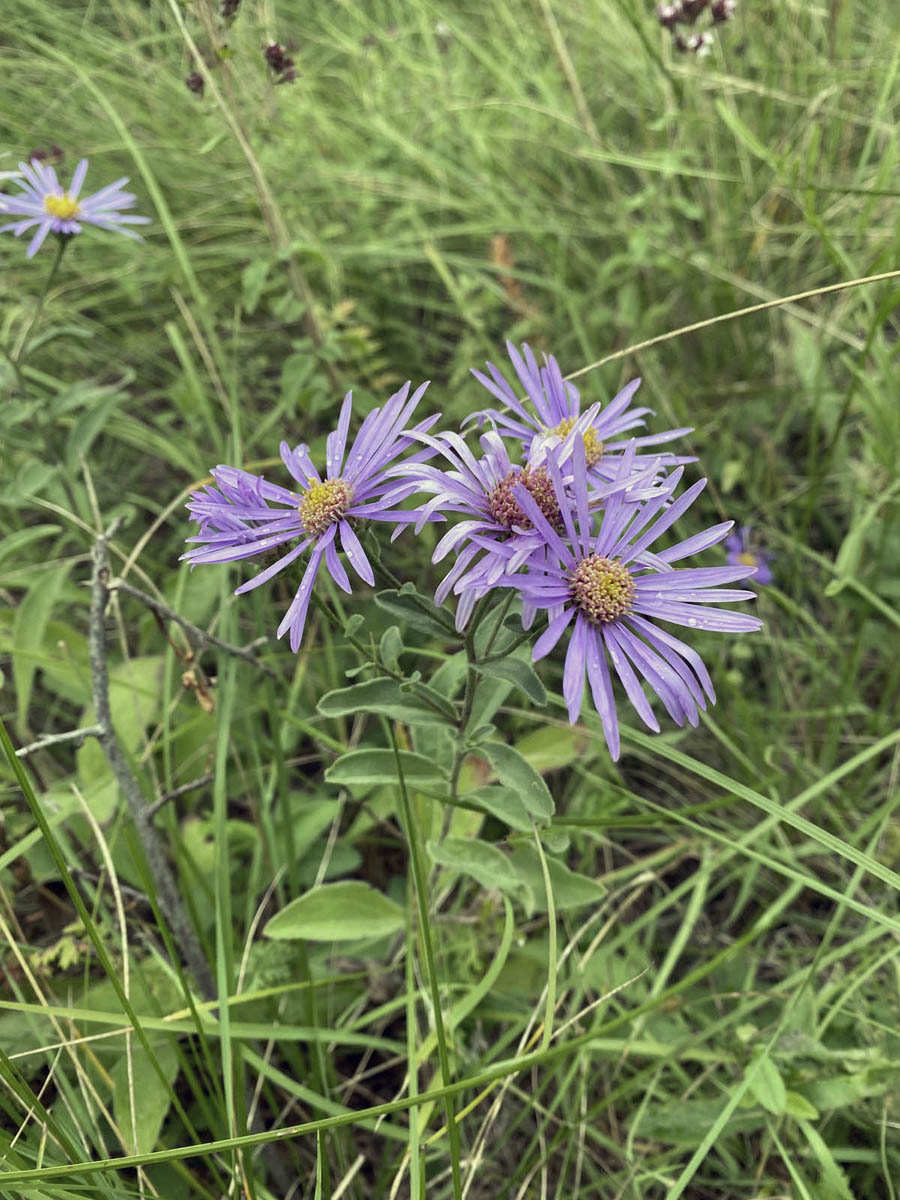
421, 884
16, 357
472, 681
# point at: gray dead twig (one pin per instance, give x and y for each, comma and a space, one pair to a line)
199, 636
167, 894
194, 784
78, 736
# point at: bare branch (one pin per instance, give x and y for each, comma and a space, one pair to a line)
78, 736
202, 781
170, 903
200, 636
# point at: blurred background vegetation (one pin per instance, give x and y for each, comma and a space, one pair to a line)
438, 178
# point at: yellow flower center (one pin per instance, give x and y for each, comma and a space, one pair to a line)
324, 504
62, 206
593, 447
603, 589
747, 560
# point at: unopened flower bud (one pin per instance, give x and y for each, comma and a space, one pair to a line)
722, 10
54, 155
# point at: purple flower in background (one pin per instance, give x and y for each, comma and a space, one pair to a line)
737, 545
554, 407
43, 203
243, 515
612, 589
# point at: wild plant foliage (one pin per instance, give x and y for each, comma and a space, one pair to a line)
411, 815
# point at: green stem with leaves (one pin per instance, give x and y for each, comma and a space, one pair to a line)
468, 704
421, 885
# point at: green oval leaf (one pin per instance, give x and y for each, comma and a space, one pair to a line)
502, 803
798, 1106
390, 648
766, 1085
518, 672
417, 611
486, 864
385, 698
338, 912
517, 773
150, 1095
373, 767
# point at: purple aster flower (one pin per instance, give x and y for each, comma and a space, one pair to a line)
554, 407
739, 553
43, 203
244, 515
613, 590
483, 491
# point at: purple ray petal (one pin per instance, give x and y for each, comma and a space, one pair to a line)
355, 554
270, 572
601, 690
552, 634
629, 680
38, 240
539, 521
662, 523
697, 543
463, 559
336, 442
573, 673
336, 568
697, 617
78, 178
662, 640
664, 681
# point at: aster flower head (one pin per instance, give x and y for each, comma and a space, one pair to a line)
553, 405
45, 206
740, 551
601, 578
244, 515
483, 490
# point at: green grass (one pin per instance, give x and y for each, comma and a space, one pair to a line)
437, 179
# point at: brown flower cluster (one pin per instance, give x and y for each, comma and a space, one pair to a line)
674, 13
280, 63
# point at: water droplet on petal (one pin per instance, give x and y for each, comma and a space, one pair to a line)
692, 621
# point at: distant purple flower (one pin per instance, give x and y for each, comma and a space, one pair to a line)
739, 553
244, 515
42, 202
615, 589
556, 404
